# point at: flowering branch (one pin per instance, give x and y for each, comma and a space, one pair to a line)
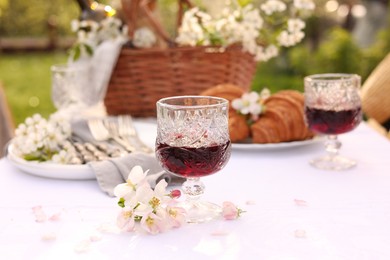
38, 139
154, 210
261, 32
91, 34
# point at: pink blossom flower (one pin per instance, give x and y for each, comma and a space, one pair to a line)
153, 224
230, 211
176, 216
125, 220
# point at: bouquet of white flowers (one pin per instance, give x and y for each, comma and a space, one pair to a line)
260, 31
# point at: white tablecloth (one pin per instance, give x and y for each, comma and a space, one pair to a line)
293, 211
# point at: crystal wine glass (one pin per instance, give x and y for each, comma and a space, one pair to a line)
73, 90
332, 107
68, 82
192, 142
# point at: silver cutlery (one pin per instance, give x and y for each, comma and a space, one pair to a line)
127, 130
100, 132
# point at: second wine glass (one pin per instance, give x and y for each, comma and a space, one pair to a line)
192, 142
332, 107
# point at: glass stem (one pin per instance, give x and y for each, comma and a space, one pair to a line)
193, 188
332, 146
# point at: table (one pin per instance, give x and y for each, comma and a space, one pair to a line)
293, 211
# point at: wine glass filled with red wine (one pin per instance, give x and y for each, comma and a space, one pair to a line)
332, 107
192, 142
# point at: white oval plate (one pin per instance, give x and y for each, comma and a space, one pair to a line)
147, 131
51, 170
252, 146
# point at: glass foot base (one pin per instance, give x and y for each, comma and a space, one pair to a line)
201, 211
334, 163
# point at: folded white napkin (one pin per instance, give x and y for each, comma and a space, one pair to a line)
114, 171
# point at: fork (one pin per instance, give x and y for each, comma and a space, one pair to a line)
100, 132
127, 130
115, 131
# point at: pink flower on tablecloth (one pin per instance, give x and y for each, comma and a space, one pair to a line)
230, 211
176, 216
125, 220
152, 209
153, 224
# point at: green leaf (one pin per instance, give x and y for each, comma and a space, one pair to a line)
89, 49
33, 157
77, 52
243, 3
121, 202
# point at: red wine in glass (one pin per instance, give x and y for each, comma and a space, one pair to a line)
193, 162
332, 107
333, 122
193, 141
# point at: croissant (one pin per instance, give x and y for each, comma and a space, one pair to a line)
283, 120
238, 128
227, 91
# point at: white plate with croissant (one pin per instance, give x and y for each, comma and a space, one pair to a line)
282, 125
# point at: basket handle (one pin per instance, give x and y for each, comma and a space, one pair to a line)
146, 7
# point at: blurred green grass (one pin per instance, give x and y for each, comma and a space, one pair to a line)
27, 81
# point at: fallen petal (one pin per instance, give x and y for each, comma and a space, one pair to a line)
83, 246
95, 237
219, 233
299, 202
39, 214
55, 217
49, 236
250, 202
300, 233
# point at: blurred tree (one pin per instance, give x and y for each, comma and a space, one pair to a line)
30, 18
35, 18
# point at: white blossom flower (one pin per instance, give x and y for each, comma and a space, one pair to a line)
304, 4
61, 158
289, 39
265, 54
144, 38
295, 25
247, 104
74, 25
264, 94
272, 6
251, 104
153, 224
176, 215
125, 219
91, 34
127, 190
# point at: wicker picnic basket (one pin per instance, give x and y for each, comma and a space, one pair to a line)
143, 76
